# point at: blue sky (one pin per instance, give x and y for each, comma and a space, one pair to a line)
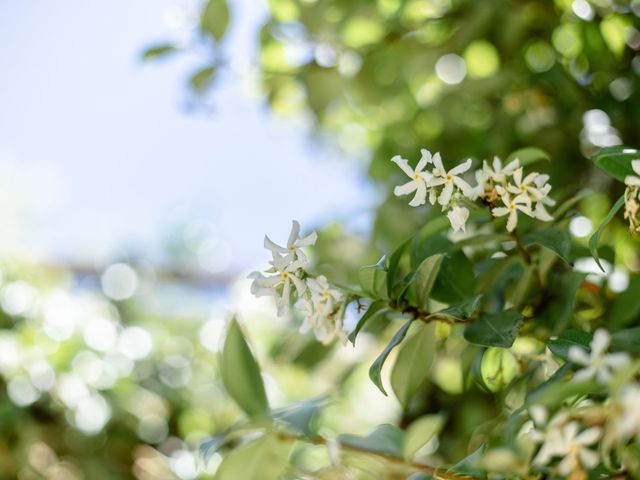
97, 154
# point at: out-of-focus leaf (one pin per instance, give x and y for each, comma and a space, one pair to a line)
470, 465
159, 51
376, 368
420, 433
498, 368
215, 19
201, 80
393, 265
557, 240
494, 329
594, 241
386, 439
558, 392
464, 309
569, 338
241, 373
376, 309
627, 340
528, 155
616, 161
562, 289
299, 415
261, 459
413, 362
626, 306
424, 279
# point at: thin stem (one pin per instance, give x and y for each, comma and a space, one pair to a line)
428, 469
527, 258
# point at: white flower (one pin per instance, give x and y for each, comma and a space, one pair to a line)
521, 203
286, 272
449, 180
574, 446
497, 173
478, 191
597, 363
323, 310
627, 424
419, 178
526, 185
546, 432
634, 180
458, 217
293, 250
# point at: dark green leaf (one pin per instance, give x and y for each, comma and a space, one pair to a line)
557, 240
376, 309
393, 266
425, 278
569, 338
594, 241
456, 280
616, 161
241, 373
528, 155
558, 310
376, 367
215, 19
626, 306
494, 329
627, 340
413, 362
386, 439
464, 309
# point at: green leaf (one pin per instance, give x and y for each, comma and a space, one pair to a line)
594, 241
456, 280
558, 310
528, 155
377, 308
262, 459
557, 240
425, 278
376, 367
470, 465
373, 279
616, 161
464, 309
201, 80
393, 266
159, 51
413, 362
494, 329
299, 415
560, 346
215, 19
241, 373
626, 306
420, 433
386, 439
627, 340
558, 392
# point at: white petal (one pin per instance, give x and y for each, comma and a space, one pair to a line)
295, 232
308, 240
632, 181
517, 176
539, 414
274, 247
512, 166
424, 160
542, 214
458, 217
512, 222
299, 284
500, 211
589, 436
617, 360
584, 375
437, 161
462, 185
445, 195
406, 189
600, 342
463, 167
403, 164
578, 355
635, 164
420, 197
588, 458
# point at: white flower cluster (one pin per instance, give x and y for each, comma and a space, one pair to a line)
504, 189
568, 440
322, 305
632, 198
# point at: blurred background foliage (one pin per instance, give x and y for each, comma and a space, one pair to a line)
101, 380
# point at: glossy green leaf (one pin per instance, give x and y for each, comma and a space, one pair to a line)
241, 373
616, 161
464, 309
413, 362
376, 368
594, 241
456, 280
386, 439
261, 459
528, 155
215, 19
494, 329
394, 265
420, 432
560, 346
373, 279
425, 278
376, 309
557, 240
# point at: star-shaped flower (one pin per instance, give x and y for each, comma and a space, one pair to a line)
279, 285
450, 180
512, 206
419, 178
458, 217
497, 172
597, 364
293, 250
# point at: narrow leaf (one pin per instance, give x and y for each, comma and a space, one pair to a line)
376, 368
594, 241
425, 278
375, 310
